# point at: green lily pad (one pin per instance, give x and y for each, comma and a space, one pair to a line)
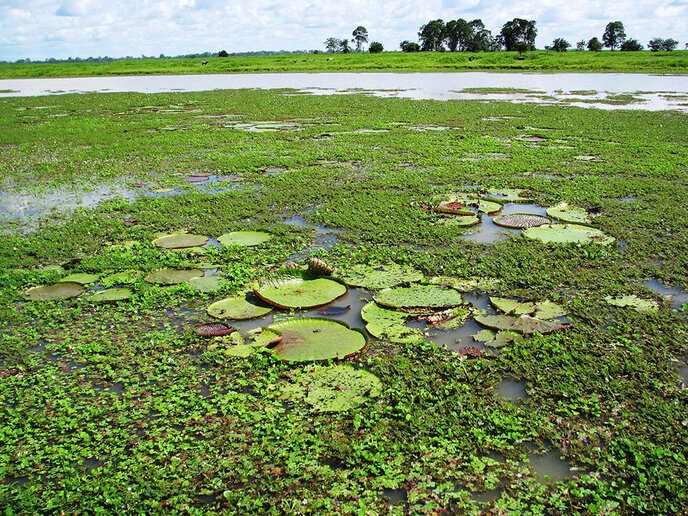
239, 351
180, 241
461, 220
497, 340
632, 301
568, 234
489, 207
300, 293
111, 295
239, 308
520, 220
509, 195
456, 318
571, 214
484, 284
388, 324
419, 296
512, 306
82, 278
549, 310
334, 389
313, 338
172, 276
378, 278
523, 324
64, 290
121, 278
244, 238
260, 337
207, 283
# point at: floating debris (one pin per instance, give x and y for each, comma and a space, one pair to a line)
317, 267
214, 329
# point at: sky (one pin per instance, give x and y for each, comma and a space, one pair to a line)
39, 29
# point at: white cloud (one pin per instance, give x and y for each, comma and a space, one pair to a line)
62, 28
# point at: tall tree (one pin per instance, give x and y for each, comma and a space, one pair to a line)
631, 45
332, 44
518, 30
614, 35
431, 35
580, 45
560, 45
594, 45
457, 34
344, 47
669, 45
360, 35
482, 40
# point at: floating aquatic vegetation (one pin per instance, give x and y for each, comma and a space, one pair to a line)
121, 278
524, 324
633, 301
529, 138
111, 295
172, 276
241, 307
244, 238
214, 329
568, 234
484, 284
64, 290
313, 338
471, 352
180, 241
448, 319
388, 324
549, 310
380, 277
454, 208
520, 220
82, 278
263, 337
334, 389
431, 297
461, 220
489, 207
497, 339
509, 195
590, 159
207, 284
512, 306
570, 214
297, 292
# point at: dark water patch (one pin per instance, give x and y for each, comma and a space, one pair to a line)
323, 237
512, 390
90, 465
550, 467
487, 232
16, 481
355, 298
395, 496
676, 296
206, 499
683, 373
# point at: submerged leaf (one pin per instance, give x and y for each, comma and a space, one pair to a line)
524, 324
180, 241
111, 295
64, 290
244, 238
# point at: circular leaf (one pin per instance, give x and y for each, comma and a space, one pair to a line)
377, 278
520, 220
172, 276
65, 290
312, 338
82, 278
180, 241
111, 295
244, 238
419, 296
206, 283
388, 324
300, 293
567, 213
489, 207
568, 234
238, 308
461, 220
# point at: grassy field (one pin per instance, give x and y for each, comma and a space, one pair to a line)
646, 62
122, 408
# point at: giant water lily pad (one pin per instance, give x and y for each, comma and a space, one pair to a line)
498, 339
512, 306
454, 208
335, 388
313, 338
207, 284
549, 310
461, 220
633, 301
180, 241
484, 284
489, 207
261, 337
82, 278
523, 324
378, 278
64, 290
111, 295
510, 195
121, 278
388, 324
172, 276
419, 296
568, 234
520, 220
568, 213
300, 293
244, 238
239, 308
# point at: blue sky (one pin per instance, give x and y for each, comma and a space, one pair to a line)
38, 29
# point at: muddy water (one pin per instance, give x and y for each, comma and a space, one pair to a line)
512, 390
550, 467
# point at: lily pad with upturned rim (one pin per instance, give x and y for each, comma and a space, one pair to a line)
111, 295
299, 293
180, 241
65, 290
568, 234
380, 277
570, 214
314, 338
172, 276
244, 238
419, 296
520, 220
239, 308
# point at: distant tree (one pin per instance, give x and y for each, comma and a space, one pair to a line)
375, 47
360, 35
431, 35
614, 35
518, 30
331, 44
580, 45
344, 47
482, 40
669, 45
594, 45
409, 46
656, 44
222, 53
560, 45
631, 45
457, 35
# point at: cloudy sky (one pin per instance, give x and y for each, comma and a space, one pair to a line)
39, 29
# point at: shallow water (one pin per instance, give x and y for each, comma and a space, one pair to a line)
676, 296
551, 87
512, 390
488, 232
549, 467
